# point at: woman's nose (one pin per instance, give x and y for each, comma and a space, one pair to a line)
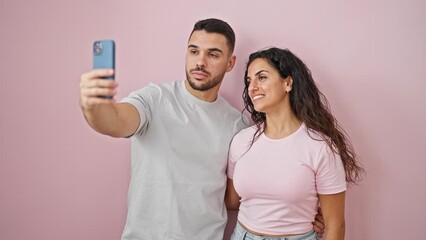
253, 86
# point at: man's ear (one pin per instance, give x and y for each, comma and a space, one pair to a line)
231, 63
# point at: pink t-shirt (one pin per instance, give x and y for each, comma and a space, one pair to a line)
279, 180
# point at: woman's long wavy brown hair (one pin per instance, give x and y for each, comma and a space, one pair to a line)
308, 104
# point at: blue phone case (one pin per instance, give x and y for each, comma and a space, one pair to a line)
104, 55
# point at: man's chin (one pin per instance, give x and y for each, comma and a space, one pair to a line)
199, 85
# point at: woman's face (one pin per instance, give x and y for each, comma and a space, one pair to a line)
267, 90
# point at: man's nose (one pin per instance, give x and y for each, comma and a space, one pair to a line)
201, 61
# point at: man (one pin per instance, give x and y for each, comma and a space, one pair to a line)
180, 134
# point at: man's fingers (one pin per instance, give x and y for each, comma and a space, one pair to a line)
97, 73
319, 223
91, 85
319, 231
94, 90
319, 228
98, 92
98, 83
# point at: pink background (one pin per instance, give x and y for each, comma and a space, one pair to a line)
61, 180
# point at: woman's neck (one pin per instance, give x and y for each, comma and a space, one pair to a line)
281, 124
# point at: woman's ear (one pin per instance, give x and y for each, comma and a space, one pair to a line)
288, 84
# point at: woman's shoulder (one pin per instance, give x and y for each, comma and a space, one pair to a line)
246, 133
311, 138
241, 142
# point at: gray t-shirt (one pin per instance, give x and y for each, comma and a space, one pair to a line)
179, 158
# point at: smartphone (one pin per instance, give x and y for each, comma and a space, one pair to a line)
104, 55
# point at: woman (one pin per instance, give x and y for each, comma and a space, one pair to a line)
295, 157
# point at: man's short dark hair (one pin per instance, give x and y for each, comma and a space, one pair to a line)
213, 25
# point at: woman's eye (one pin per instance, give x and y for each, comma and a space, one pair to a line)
262, 78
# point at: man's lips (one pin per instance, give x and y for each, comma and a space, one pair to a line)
199, 74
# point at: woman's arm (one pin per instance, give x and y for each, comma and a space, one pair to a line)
232, 200
333, 211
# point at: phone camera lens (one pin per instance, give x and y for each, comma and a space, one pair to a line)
97, 48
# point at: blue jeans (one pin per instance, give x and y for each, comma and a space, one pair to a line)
241, 234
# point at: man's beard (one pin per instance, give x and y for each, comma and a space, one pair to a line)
206, 86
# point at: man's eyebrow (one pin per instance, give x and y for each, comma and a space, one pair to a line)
210, 49
192, 46
215, 50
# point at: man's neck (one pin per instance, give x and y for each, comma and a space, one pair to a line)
207, 96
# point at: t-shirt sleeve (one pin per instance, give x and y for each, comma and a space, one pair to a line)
330, 175
144, 100
232, 157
